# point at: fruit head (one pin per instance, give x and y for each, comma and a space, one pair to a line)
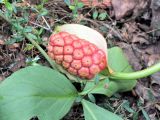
78, 56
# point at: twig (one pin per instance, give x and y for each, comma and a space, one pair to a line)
49, 28
41, 50
40, 26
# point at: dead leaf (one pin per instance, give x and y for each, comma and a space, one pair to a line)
1, 42
1, 77
152, 60
98, 3
14, 46
18, 62
142, 91
155, 6
130, 54
157, 106
156, 78
123, 7
24, 3
140, 38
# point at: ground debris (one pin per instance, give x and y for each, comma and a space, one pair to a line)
155, 6
123, 8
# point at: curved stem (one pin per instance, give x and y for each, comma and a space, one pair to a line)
135, 75
51, 62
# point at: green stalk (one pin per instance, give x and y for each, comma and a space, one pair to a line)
51, 62
135, 75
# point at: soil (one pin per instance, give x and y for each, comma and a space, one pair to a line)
135, 30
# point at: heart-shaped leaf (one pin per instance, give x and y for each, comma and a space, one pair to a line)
36, 91
118, 63
101, 87
94, 112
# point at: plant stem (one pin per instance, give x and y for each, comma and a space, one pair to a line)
51, 62
53, 65
135, 75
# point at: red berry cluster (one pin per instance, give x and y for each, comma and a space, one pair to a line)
78, 56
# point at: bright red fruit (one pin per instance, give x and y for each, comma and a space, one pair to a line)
78, 56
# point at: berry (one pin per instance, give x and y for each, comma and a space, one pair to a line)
78, 56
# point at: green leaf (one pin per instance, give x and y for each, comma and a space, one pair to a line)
126, 106
44, 1
102, 16
91, 98
101, 87
9, 6
28, 47
95, 14
80, 5
72, 7
36, 91
1, 1
43, 12
122, 65
94, 112
68, 2
32, 36
27, 29
118, 62
10, 41
145, 114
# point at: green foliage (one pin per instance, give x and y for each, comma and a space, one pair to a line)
36, 91
100, 16
127, 106
43, 84
75, 6
122, 65
94, 112
45, 93
103, 16
8, 6
108, 86
95, 14
20, 23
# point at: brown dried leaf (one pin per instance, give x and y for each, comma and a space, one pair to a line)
1, 77
18, 62
1, 42
155, 5
99, 3
140, 38
14, 46
123, 7
152, 60
143, 91
157, 106
130, 54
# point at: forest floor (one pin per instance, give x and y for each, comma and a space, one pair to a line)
133, 26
